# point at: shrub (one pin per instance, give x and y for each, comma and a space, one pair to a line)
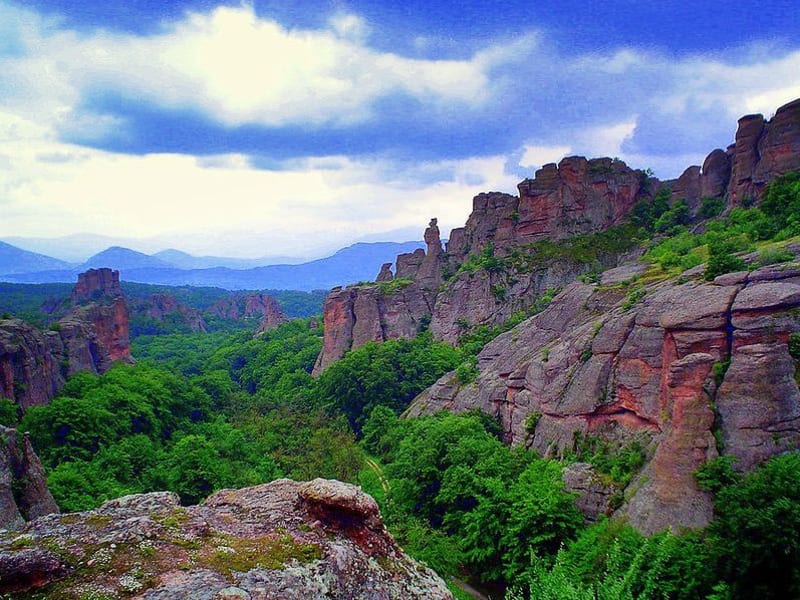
772, 256
710, 207
721, 260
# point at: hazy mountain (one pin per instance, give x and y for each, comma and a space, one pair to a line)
15, 260
124, 259
359, 262
184, 260
72, 248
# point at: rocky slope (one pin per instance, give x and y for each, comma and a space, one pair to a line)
34, 364
23, 491
687, 368
320, 539
575, 197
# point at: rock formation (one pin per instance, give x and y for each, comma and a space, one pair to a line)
163, 307
34, 364
649, 364
96, 284
577, 196
271, 314
250, 306
763, 150
288, 540
23, 491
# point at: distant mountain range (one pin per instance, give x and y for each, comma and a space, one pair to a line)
358, 262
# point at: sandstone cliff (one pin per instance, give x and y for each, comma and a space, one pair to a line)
666, 363
575, 197
23, 491
95, 333
320, 539
434, 288
763, 150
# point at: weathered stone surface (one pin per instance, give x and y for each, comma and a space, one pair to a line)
667, 494
271, 312
385, 273
23, 490
763, 151
577, 196
91, 337
320, 539
96, 284
759, 403
586, 365
688, 188
716, 174
595, 496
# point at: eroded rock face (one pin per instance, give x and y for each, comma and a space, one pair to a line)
91, 337
320, 539
574, 197
271, 312
763, 151
356, 315
593, 364
23, 490
96, 284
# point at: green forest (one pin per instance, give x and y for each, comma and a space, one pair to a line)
203, 411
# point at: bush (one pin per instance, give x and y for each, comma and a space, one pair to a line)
721, 260
710, 207
772, 256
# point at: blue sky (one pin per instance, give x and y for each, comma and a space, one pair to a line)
278, 127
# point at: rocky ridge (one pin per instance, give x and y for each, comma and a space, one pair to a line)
576, 197
34, 364
319, 539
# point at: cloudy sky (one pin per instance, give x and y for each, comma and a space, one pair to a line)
285, 127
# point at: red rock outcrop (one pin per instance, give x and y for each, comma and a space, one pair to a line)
34, 364
96, 284
574, 197
23, 492
282, 539
271, 313
591, 364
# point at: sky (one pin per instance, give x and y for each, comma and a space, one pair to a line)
277, 127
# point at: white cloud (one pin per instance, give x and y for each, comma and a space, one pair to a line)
536, 156
220, 204
235, 67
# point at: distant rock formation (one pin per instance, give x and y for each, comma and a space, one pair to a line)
592, 364
272, 314
282, 539
23, 492
163, 307
34, 364
96, 284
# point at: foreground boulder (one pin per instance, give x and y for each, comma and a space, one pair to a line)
320, 539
